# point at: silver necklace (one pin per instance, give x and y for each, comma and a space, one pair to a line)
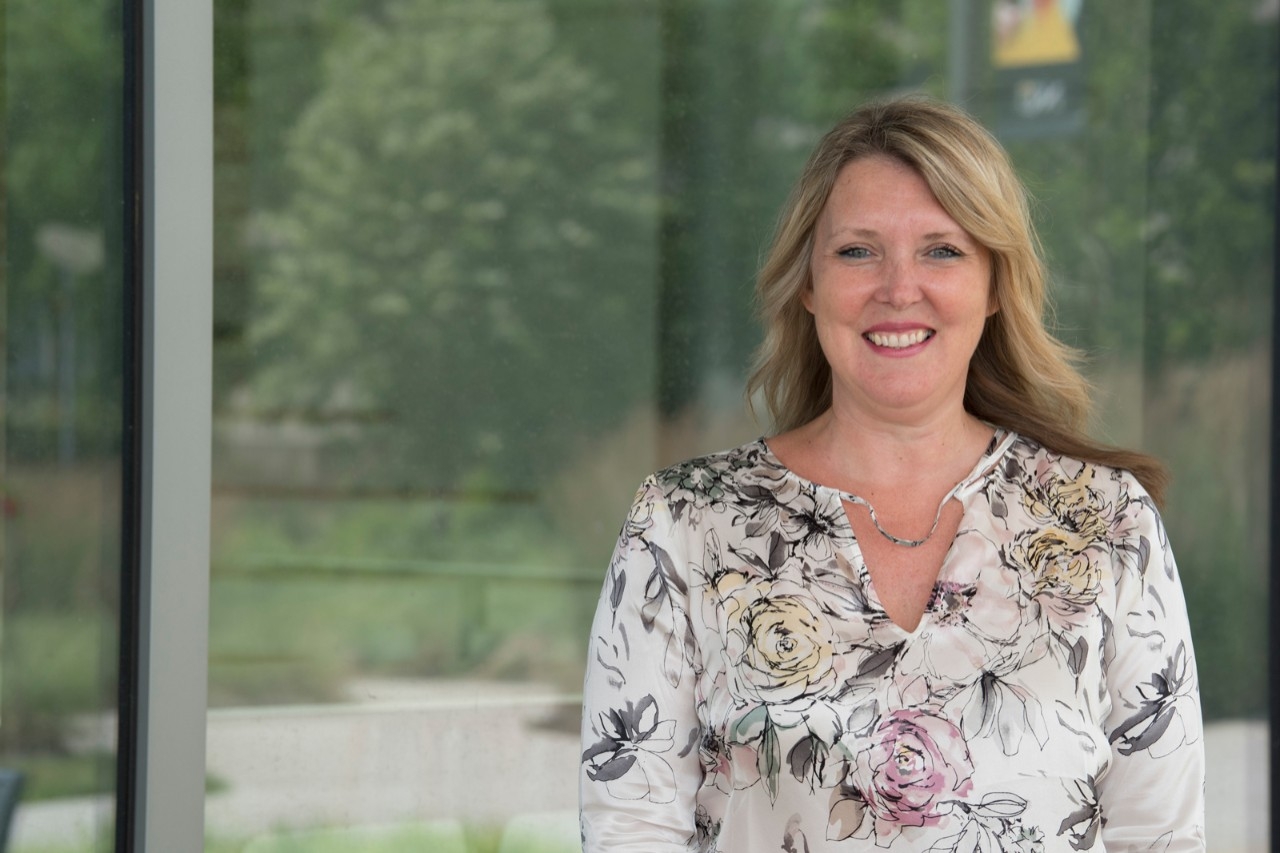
906, 543
999, 441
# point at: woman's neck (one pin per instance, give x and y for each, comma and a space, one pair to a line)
866, 455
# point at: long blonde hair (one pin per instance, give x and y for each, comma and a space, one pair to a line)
1020, 377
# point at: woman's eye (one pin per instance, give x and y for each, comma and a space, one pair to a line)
944, 252
854, 252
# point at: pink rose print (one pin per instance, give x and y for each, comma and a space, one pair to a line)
914, 767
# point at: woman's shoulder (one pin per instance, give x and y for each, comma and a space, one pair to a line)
719, 476
1028, 459
749, 453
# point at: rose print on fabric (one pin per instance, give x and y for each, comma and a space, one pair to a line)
628, 757
1072, 503
778, 644
1065, 577
779, 655
910, 774
785, 649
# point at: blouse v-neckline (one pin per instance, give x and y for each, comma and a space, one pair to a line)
1000, 443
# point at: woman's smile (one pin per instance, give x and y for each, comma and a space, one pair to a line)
898, 342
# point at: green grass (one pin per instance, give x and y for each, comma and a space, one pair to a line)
441, 839
428, 837
53, 777
306, 595
435, 836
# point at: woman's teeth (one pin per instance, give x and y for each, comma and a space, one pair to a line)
898, 340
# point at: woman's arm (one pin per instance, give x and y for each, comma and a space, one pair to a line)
1152, 797
640, 733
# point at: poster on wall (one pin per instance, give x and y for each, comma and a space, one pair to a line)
1038, 62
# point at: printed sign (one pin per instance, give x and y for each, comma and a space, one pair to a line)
1037, 56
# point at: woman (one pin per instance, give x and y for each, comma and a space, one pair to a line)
930, 613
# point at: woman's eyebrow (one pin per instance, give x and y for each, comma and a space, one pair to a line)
954, 234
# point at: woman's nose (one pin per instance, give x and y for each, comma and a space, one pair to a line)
899, 284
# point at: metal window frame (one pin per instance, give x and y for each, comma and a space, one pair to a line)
1273, 545
163, 686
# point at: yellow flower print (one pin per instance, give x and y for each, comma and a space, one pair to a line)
781, 645
787, 642
1066, 576
1066, 571
1072, 503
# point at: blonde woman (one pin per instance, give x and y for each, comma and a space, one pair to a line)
929, 613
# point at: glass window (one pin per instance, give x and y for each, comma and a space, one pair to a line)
62, 285
481, 265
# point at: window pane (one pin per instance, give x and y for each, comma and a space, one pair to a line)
484, 264
61, 211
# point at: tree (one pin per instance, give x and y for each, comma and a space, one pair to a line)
467, 260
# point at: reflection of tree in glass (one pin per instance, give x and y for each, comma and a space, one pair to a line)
467, 256
60, 157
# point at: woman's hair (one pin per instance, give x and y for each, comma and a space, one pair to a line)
1020, 376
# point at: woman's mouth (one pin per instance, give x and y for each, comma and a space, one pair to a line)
899, 340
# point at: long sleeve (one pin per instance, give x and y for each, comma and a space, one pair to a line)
640, 769
1152, 796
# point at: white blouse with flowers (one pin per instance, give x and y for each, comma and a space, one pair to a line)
747, 692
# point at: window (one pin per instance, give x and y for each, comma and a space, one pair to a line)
481, 265
63, 456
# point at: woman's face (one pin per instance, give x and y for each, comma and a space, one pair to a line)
900, 294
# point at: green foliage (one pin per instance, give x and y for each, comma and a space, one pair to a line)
466, 252
59, 556
445, 840
62, 171
1162, 204
1217, 519
51, 673
51, 776
1212, 179
59, 68
442, 838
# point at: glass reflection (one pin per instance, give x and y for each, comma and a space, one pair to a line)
481, 266
61, 208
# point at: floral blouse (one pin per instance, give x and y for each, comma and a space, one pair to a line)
746, 690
